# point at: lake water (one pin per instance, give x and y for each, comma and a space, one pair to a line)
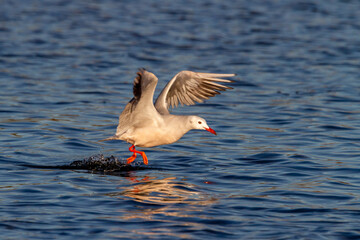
285, 163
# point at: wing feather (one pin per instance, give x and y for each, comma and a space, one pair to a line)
143, 90
187, 88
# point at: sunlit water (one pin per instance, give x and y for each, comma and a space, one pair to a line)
285, 163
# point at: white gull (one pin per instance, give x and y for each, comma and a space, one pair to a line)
144, 124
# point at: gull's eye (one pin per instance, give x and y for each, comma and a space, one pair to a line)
199, 122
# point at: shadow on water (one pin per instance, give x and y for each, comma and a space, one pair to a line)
97, 164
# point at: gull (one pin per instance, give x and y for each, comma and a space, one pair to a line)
145, 124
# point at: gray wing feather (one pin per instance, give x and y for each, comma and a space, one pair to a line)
190, 87
125, 117
144, 87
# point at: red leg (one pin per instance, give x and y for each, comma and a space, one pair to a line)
132, 158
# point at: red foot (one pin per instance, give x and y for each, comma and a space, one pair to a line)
132, 158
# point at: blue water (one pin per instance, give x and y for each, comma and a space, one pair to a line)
285, 163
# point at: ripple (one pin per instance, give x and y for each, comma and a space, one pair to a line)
342, 99
248, 178
302, 210
335, 128
264, 158
78, 144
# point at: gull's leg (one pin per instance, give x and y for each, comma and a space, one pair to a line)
132, 158
145, 159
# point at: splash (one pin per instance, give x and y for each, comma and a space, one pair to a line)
97, 163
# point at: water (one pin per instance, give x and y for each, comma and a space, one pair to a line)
285, 163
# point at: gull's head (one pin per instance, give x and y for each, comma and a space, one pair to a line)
200, 123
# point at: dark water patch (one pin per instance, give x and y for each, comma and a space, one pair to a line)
263, 43
281, 121
246, 208
9, 111
302, 210
266, 155
37, 41
213, 105
348, 235
242, 83
8, 226
39, 103
335, 128
342, 112
342, 138
310, 109
311, 195
260, 161
248, 178
4, 29
230, 141
160, 43
263, 158
341, 99
299, 156
354, 170
308, 169
296, 174
5, 159
73, 129
63, 103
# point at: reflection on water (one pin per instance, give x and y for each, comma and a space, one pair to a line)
165, 191
167, 200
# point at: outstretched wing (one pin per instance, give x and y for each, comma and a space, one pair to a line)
144, 87
190, 87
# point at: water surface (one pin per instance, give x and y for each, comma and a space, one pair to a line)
285, 163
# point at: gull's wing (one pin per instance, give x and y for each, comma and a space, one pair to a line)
143, 89
189, 87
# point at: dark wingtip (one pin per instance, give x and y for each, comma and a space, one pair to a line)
235, 74
141, 70
137, 84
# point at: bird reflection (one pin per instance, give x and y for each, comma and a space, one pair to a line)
162, 200
166, 190
163, 196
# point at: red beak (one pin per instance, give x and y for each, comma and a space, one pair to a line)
210, 130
